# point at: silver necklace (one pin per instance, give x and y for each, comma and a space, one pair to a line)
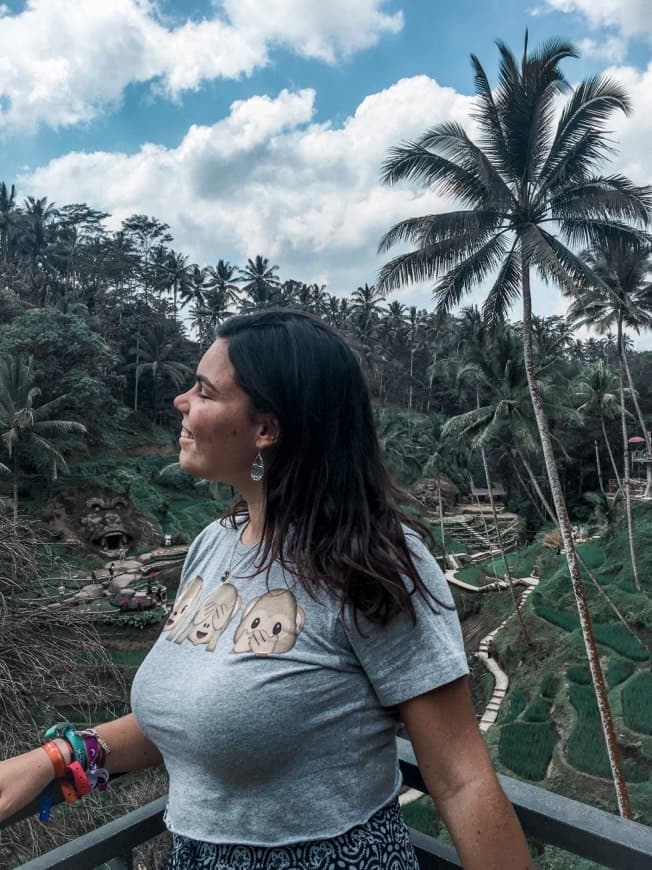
230, 567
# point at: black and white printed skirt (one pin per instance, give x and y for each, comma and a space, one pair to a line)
382, 843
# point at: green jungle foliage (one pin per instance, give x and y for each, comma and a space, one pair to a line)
612, 634
516, 703
471, 574
618, 670
526, 748
585, 749
579, 674
637, 703
536, 711
549, 686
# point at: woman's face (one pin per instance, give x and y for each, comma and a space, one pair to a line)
219, 440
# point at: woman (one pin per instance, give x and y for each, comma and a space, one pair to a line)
310, 622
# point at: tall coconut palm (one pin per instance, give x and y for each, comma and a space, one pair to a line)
155, 354
223, 277
260, 283
622, 298
526, 191
28, 429
177, 276
596, 390
8, 218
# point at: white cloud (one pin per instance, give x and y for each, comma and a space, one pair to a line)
320, 30
63, 62
268, 179
630, 17
612, 50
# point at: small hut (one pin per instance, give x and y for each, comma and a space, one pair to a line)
481, 494
427, 489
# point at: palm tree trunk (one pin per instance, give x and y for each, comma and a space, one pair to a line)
503, 554
537, 487
597, 675
15, 499
527, 491
137, 372
644, 427
441, 521
627, 489
598, 466
611, 454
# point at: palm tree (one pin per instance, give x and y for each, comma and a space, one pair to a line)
154, 354
261, 283
496, 367
177, 276
8, 218
222, 277
596, 393
622, 298
526, 191
25, 429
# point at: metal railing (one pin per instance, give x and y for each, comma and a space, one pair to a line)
550, 818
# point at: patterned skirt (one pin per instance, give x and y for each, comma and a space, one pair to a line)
382, 843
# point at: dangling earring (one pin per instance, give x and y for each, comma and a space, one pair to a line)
257, 467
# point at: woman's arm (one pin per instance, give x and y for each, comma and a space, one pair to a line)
24, 777
455, 766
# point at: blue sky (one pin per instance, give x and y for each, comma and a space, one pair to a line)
258, 126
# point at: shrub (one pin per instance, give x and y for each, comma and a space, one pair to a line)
579, 674
611, 634
526, 748
516, 703
471, 574
618, 670
592, 553
567, 621
537, 711
585, 749
637, 703
549, 686
616, 636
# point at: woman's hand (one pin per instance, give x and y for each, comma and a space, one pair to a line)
22, 779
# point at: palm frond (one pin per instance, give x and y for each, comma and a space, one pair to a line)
475, 225
423, 264
493, 140
590, 105
451, 141
606, 197
410, 162
587, 232
505, 291
471, 271
52, 428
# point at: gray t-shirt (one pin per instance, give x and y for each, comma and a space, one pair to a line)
275, 716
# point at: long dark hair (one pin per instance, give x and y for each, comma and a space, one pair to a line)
332, 512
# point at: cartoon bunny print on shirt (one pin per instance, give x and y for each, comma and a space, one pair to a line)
270, 623
212, 617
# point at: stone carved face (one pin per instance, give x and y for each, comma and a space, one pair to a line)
105, 522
